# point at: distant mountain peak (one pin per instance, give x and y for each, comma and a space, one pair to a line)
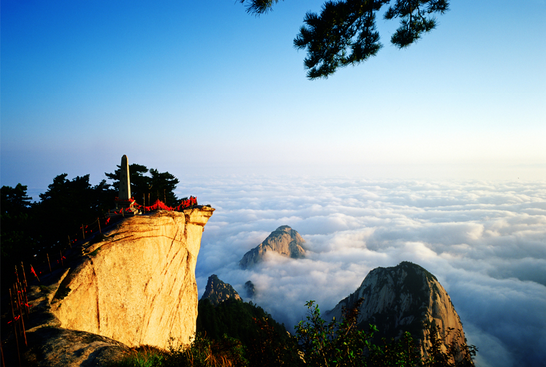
250, 289
284, 241
217, 291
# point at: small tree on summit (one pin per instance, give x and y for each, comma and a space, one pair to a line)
344, 33
163, 185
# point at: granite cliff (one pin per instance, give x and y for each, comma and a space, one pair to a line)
284, 241
405, 298
137, 286
217, 291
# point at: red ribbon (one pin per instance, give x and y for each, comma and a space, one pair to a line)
161, 205
15, 319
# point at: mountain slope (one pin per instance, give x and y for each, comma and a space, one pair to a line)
406, 298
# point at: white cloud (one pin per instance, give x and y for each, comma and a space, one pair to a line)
486, 243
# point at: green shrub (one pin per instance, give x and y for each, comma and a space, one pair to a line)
94, 253
343, 344
205, 352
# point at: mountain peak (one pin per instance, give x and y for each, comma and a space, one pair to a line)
217, 291
284, 241
403, 298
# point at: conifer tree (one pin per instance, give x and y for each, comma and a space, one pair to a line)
344, 33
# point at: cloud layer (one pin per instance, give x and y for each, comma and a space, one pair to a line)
485, 241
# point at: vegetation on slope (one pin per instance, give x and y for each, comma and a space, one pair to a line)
316, 343
30, 230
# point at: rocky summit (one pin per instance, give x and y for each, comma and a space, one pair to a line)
134, 285
406, 298
284, 241
218, 291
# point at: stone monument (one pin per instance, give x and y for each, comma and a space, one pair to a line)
124, 201
124, 180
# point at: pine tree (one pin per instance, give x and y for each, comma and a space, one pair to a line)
344, 33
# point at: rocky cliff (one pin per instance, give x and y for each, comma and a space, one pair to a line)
405, 298
284, 240
137, 286
217, 291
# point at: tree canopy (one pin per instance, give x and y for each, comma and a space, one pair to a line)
15, 236
344, 33
32, 229
158, 185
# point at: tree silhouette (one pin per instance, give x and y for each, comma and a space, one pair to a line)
344, 33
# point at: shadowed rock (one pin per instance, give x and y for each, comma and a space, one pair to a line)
250, 289
57, 347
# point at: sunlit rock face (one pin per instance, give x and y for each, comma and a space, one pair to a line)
217, 291
284, 241
138, 285
405, 298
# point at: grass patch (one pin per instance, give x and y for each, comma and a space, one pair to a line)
94, 253
99, 237
203, 352
141, 357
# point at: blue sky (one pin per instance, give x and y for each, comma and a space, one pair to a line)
203, 87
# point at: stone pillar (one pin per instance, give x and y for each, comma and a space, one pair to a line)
124, 180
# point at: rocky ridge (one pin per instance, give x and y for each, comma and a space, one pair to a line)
138, 285
217, 291
405, 298
284, 241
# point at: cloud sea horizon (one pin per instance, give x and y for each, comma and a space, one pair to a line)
485, 241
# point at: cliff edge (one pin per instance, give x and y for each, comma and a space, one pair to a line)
137, 286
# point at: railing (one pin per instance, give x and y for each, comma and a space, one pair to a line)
184, 204
19, 312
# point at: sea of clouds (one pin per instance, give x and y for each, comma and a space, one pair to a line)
484, 241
